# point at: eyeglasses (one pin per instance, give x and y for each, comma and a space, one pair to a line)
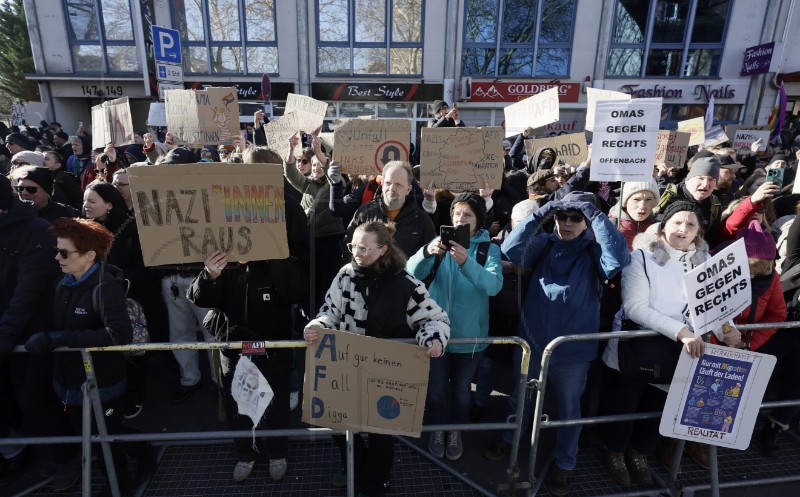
360, 249
303, 161
64, 253
224, 151
29, 189
563, 216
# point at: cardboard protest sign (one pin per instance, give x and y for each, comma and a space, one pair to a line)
157, 115
671, 148
203, 117
731, 129
571, 148
17, 114
364, 146
112, 123
365, 384
461, 159
185, 212
625, 139
279, 131
310, 112
535, 111
744, 138
715, 398
594, 95
715, 136
696, 129
35, 112
719, 289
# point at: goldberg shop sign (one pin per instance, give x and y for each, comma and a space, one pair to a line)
686, 92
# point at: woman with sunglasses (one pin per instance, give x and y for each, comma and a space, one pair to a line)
89, 311
374, 296
105, 165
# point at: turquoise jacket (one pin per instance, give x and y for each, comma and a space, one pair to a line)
463, 292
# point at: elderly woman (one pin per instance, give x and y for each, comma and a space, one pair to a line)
88, 311
374, 296
652, 299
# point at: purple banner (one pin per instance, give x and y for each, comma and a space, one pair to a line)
757, 59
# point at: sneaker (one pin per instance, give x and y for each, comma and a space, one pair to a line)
436, 444
558, 481
639, 469
183, 393
277, 469
615, 465
697, 452
242, 470
294, 400
132, 411
67, 475
498, 451
454, 446
339, 479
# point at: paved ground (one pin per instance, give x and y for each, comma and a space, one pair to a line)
191, 469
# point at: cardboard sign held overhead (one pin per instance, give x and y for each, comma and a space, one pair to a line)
310, 112
35, 112
185, 212
535, 111
365, 384
672, 148
365, 146
157, 115
744, 138
203, 117
719, 289
594, 95
461, 159
112, 123
625, 139
279, 131
715, 136
571, 148
696, 129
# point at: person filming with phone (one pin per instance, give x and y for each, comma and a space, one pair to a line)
462, 269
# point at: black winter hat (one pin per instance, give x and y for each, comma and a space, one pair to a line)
676, 207
6, 193
475, 202
20, 140
62, 135
42, 176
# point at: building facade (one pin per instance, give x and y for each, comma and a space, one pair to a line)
391, 58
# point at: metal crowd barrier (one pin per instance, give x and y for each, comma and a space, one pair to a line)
674, 489
92, 406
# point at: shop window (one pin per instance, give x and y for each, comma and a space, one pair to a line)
668, 38
521, 38
101, 36
368, 37
723, 114
228, 36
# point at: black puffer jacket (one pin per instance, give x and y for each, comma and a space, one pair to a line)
414, 227
74, 312
27, 270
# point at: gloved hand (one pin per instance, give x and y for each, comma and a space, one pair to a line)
542, 212
586, 208
335, 173
43, 342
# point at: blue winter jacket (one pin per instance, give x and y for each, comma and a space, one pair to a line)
463, 292
566, 285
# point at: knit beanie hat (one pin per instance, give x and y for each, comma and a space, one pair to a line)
475, 202
676, 207
30, 158
705, 166
785, 158
634, 187
6, 193
42, 176
20, 140
759, 245
437, 106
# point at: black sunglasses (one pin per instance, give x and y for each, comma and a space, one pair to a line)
563, 216
29, 189
64, 253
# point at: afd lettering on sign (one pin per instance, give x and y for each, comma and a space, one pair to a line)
167, 45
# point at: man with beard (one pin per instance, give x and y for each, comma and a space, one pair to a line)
728, 183
396, 203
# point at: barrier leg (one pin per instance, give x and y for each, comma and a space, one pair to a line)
714, 470
91, 382
86, 443
351, 468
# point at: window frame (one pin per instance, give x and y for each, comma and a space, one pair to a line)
242, 44
685, 47
101, 41
500, 47
388, 44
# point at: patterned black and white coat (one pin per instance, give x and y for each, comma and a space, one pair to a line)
382, 306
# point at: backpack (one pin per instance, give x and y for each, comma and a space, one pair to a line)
672, 191
135, 314
480, 256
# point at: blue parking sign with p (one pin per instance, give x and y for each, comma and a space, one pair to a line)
166, 45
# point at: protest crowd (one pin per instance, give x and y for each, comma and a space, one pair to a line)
547, 254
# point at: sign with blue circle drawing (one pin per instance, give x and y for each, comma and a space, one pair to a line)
167, 45
365, 384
